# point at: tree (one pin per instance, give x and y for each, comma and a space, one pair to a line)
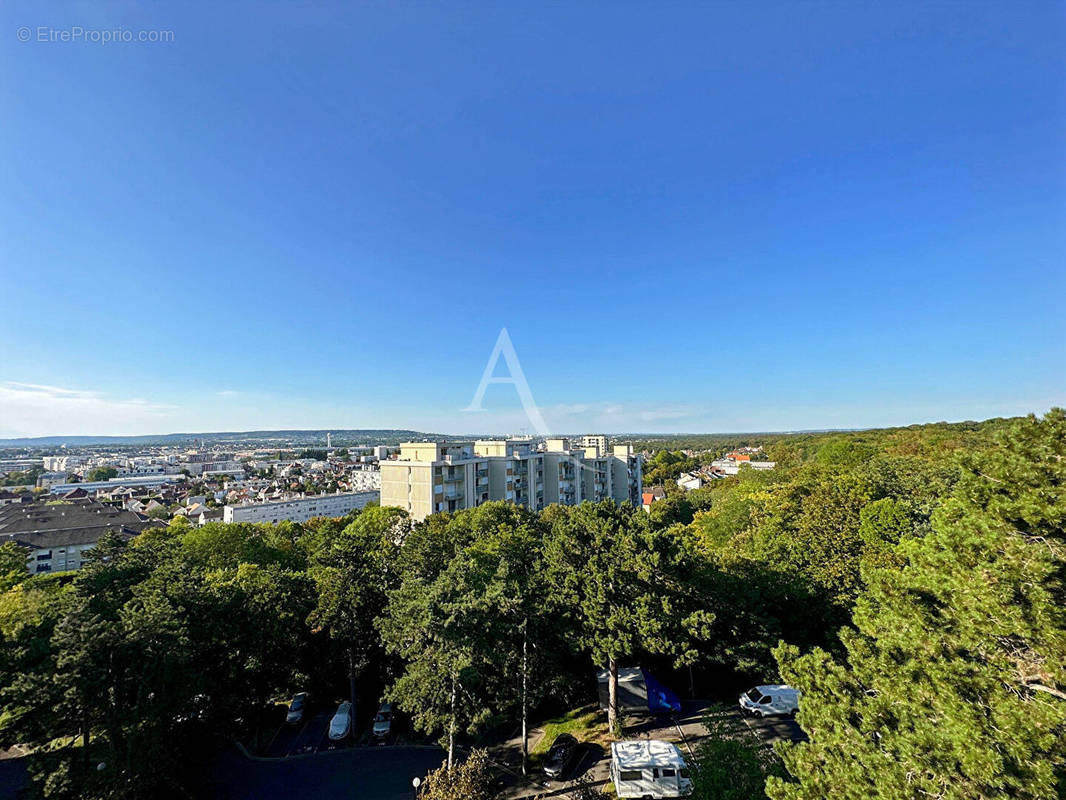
730, 763
501, 574
468, 780
433, 623
617, 574
953, 683
350, 572
12, 565
101, 474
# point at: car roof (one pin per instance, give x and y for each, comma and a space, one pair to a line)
345, 706
770, 688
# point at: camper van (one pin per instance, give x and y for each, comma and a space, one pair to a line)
770, 700
649, 768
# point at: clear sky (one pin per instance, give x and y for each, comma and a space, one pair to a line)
705, 217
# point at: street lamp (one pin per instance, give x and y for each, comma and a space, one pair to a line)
415, 783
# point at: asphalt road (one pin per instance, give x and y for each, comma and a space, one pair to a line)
775, 729
13, 777
370, 773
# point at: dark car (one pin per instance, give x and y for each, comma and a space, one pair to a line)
560, 755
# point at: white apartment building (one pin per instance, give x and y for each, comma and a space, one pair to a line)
432, 477
300, 509
228, 467
63, 463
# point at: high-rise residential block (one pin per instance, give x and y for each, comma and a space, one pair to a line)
431, 477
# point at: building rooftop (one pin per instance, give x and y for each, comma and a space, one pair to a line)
62, 524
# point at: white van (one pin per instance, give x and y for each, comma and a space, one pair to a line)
649, 769
769, 700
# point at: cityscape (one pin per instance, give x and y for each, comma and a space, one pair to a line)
484, 401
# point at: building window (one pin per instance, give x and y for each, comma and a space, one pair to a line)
44, 556
44, 567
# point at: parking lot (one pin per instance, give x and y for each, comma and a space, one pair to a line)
367, 773
311, 735
686, 729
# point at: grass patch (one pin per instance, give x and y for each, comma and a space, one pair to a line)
586, 724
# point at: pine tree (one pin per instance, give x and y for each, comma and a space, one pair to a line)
954, 681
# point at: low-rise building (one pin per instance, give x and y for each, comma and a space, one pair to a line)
146, 481
57, 535
652, 496
300, 509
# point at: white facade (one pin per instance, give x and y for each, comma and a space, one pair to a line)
147, 481
434, 477
57, 559
300, 509
63, 463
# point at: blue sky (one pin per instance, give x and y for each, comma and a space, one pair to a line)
705, 217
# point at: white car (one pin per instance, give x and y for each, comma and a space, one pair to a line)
775, 699
297, 707
383, 721
341, 724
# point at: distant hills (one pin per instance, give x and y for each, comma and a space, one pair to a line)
266, 438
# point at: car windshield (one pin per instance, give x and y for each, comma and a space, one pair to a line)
298, 703
754, 695
383, 716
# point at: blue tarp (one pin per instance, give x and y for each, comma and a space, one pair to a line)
660, 699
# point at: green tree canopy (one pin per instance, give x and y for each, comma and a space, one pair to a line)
954, 680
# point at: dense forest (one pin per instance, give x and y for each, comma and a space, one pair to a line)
909, 581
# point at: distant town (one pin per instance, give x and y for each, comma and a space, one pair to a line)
59, 502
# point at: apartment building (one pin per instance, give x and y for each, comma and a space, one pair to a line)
64, 463
433, 477
57, 535
299, 509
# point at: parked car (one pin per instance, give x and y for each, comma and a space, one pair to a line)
341, 724
297, 707
560, 755
776, 699
383, 722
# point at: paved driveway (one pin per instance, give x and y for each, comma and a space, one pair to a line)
371, 773
775, 729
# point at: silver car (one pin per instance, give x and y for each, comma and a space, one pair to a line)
297, 707
383, 722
